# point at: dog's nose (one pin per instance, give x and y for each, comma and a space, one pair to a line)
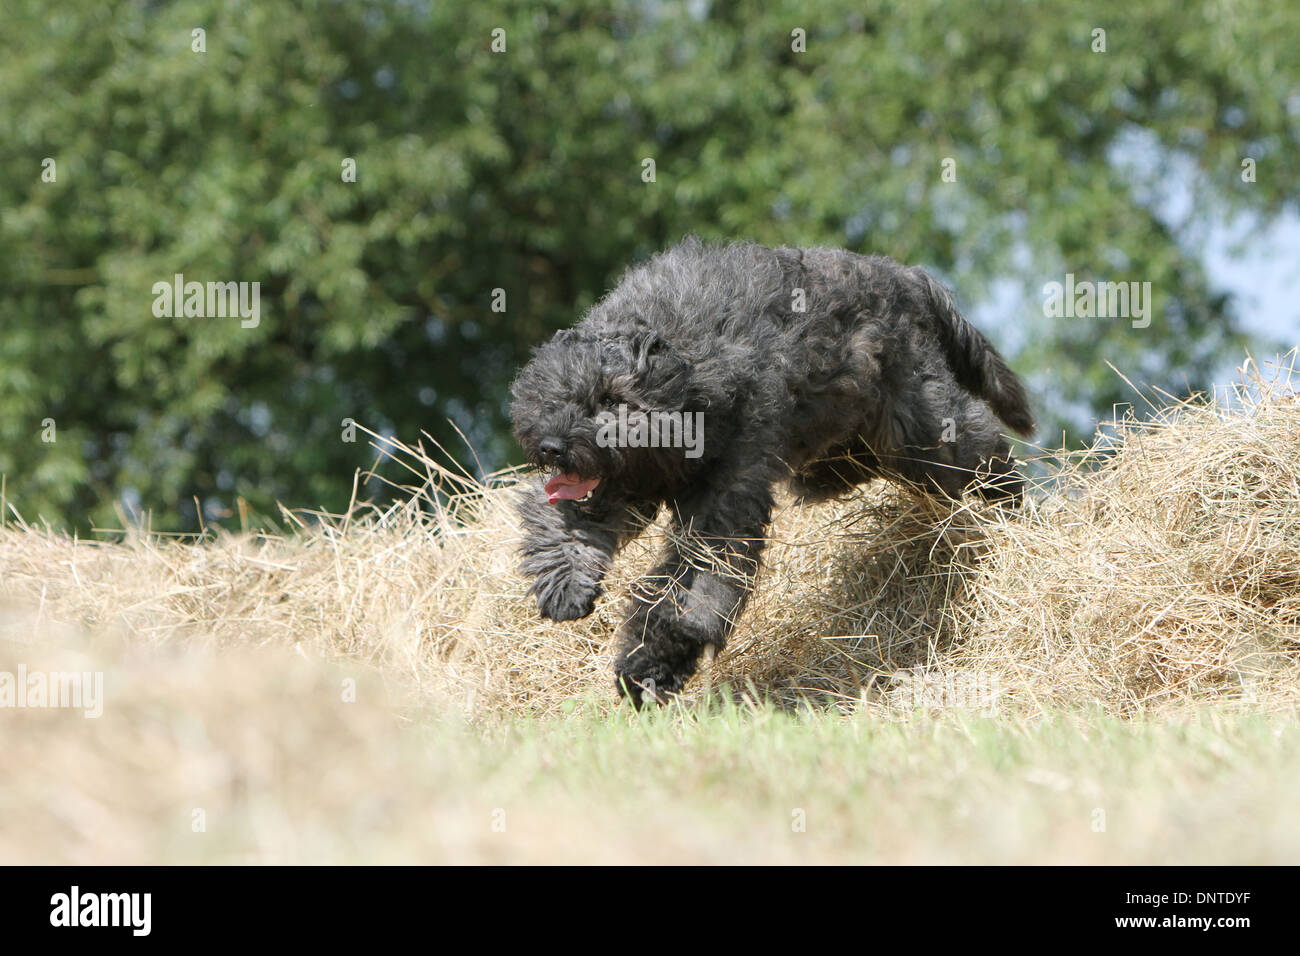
551, 448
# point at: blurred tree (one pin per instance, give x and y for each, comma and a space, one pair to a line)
521, 171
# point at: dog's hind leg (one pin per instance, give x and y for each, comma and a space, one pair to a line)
568, 547
965, 450
997, 479
691, 599
836, 473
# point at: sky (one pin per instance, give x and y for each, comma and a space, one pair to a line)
1264, 276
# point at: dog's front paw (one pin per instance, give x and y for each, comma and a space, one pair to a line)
565, 598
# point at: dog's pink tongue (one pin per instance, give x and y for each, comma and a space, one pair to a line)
568, 487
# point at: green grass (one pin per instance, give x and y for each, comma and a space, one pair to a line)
283, 769
733, 784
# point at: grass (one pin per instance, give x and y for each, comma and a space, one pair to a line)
924, 683
284, 770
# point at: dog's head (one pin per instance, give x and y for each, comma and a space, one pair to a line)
574, 386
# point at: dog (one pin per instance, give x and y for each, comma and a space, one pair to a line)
819, 368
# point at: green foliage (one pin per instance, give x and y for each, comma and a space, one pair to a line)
522, 170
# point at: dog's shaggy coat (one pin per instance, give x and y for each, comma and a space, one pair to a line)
816, 367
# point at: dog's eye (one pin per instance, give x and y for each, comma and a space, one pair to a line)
607, 400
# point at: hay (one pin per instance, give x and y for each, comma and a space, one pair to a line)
1158, 569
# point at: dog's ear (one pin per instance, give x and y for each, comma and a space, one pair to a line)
662, 373
649, 366
648, 348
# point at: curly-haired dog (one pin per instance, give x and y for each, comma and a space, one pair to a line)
817, 367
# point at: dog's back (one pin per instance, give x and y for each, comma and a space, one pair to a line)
804, 310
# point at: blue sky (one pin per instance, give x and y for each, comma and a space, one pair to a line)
1259, 262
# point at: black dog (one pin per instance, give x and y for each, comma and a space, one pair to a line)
708, 376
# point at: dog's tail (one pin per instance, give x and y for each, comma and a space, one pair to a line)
977, 364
